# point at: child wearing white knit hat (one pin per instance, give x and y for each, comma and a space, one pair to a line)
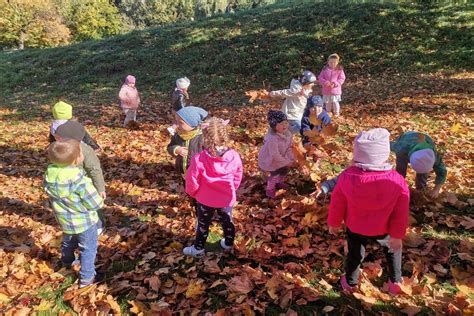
372, 201
419, 150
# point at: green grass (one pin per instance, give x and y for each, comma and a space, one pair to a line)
241, 51
55, 297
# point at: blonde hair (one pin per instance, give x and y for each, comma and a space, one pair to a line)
215, 134
334, 56
64, 151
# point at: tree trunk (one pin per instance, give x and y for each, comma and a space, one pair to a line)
21, 40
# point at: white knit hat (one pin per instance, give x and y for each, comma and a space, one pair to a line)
372, 149
422, 161
183, 83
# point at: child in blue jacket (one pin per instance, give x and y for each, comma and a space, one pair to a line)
314, 105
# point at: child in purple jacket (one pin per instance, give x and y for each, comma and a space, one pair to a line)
213, 179
332, 77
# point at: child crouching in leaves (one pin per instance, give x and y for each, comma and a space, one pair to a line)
187, 141
314, 113
276, 155
213, 179
372, 200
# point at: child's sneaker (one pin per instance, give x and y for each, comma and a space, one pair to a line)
224, 246
346, 286
99, 277
394, 288
193, 252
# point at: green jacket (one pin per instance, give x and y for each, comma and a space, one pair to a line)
91, 166
409, 142
74, 198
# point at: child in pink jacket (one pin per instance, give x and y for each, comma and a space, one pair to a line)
331, 78
372, 200
276, 155
213, 178
129, 99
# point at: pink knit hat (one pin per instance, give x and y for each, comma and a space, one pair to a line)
130, 79
372, 148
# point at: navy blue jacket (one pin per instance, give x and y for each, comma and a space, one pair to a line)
306, 125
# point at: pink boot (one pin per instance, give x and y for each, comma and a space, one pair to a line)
394, 288
345, 286
281, 183
271, 184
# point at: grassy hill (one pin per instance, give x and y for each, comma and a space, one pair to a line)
266, 45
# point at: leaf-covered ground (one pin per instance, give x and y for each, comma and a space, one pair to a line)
284, 261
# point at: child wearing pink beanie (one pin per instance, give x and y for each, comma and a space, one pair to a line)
373, 202
129, 100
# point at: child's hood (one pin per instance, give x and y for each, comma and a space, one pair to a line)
60, 181
222, 165
296, 84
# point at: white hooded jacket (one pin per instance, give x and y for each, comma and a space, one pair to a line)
295, 99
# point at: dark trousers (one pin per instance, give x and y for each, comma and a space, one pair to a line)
283, 171
357, 243
204, 218
421, 179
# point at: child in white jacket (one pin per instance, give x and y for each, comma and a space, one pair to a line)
295, 99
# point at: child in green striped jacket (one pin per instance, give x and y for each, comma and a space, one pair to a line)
75, 202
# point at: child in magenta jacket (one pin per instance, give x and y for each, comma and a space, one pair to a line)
332, 77
213, 178
372, 200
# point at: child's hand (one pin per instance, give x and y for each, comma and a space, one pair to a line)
435, 192
334, 230
182, 151
305, 171
317, 193
333, 84
395, 244
103, 195
328, 84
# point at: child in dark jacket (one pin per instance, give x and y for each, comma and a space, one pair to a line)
187, 141
180, 94
62, 112
314, 107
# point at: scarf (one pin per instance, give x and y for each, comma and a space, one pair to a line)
188, 135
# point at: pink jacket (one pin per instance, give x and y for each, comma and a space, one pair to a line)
276, 151
332, 75
129, 98
371, 203
213, 181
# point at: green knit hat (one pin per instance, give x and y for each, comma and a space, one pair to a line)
62, 111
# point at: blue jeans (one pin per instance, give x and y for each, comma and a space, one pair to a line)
87, 242
295, 126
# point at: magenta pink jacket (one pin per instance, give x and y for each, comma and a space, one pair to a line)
332, 75
371, 203
213, 181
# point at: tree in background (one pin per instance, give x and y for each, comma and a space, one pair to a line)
32, 23
147, 13
92, 19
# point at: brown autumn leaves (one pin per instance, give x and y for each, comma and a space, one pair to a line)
283, 259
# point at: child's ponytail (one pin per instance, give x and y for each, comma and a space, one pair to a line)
216, 137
